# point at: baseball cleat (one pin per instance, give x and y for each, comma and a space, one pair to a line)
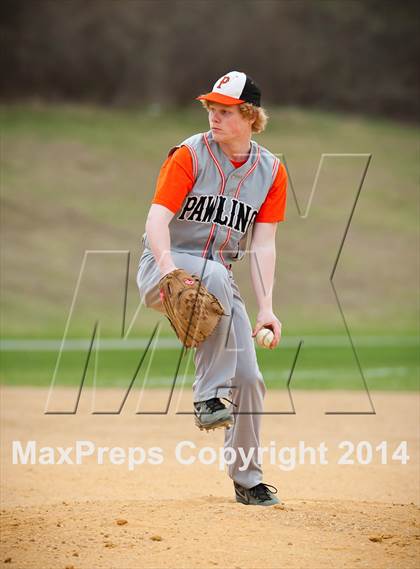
212, 414
259, 495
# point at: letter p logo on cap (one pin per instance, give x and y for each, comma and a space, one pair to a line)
224, 80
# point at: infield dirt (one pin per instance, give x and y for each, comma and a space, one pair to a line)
177, 516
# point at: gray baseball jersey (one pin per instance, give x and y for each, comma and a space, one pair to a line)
218, 212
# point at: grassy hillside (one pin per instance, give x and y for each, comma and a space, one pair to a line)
76, 179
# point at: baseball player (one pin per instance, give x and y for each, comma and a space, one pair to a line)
215, 191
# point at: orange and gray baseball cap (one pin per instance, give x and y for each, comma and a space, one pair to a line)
234, 88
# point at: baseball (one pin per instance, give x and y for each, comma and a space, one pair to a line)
264, 337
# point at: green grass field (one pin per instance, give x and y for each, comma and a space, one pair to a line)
80, 178
317, 368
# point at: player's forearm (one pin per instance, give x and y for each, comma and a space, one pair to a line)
159, 239
263, 265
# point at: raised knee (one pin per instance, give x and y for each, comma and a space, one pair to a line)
217, 282
151, 299
216, 272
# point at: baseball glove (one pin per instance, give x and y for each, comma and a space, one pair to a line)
191, 309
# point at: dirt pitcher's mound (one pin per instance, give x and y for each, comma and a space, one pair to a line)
345, 505
212, 532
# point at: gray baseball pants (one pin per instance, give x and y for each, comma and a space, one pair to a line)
226, 363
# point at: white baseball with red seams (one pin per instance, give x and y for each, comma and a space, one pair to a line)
264, 337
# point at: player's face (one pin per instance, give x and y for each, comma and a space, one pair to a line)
227, 124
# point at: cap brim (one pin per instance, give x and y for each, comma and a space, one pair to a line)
219, 98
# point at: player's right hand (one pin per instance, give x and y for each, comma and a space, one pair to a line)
166, 270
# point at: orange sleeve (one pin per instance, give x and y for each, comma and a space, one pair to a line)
175, 180
274, 207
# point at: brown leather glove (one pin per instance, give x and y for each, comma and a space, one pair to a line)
191, 309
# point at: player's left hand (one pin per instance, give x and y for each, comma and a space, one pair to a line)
267, 319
